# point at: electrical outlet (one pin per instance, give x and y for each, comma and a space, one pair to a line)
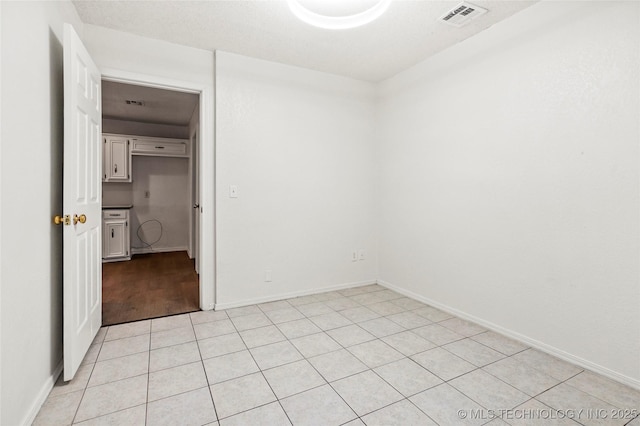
267, 276
362, 254
147, 194
354, 255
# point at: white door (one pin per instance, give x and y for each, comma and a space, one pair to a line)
82, 186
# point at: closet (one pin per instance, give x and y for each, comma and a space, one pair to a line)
148, 242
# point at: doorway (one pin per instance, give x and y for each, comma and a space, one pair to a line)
149, 271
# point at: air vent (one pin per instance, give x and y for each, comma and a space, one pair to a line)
462, 14
138, 103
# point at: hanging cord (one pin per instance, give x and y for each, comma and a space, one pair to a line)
147, 244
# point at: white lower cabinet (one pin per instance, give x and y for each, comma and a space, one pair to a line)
116, 243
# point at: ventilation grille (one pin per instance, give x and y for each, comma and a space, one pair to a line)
131, 102
462, 14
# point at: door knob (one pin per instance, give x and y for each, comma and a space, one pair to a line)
59, 220
195, 206
82, 219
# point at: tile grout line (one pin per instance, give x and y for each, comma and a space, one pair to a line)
264, 378
343, 348
337, 295
146, 406
86, 386
215, 410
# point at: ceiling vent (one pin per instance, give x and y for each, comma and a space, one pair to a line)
462, 14
137, 103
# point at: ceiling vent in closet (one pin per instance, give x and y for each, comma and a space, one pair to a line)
138, 103
462, 14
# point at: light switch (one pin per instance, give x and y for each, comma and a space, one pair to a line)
233, 191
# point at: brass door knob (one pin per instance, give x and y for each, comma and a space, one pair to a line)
82, 219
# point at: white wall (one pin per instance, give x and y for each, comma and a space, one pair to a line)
31, 263
167, 180
117, 193
298, 144
509, 181
112, 49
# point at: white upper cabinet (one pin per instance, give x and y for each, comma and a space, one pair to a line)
118, 150
160, 147
117, 159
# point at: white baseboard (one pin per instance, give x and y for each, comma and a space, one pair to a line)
147, 250
42, 395
281, 296
536, 344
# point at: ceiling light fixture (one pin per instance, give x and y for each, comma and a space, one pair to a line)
338, 22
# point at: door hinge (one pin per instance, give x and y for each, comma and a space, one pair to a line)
126, 223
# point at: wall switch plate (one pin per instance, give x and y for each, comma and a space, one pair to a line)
147, 194
354, 255
233, 191
267, 276
362, 254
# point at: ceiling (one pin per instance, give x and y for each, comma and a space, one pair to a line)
406, 34
160, 106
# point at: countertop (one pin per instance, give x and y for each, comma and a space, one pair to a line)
118, 207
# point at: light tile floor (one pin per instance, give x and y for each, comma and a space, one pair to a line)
364, 355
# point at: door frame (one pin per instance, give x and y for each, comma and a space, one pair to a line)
194, 189
206, 166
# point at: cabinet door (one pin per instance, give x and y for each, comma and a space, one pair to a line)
160, 147
116, 160
115, 239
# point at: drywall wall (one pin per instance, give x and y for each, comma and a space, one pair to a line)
112, 49
298, 145
31, 179
163, 217
117, 193
125, 127
509, 181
